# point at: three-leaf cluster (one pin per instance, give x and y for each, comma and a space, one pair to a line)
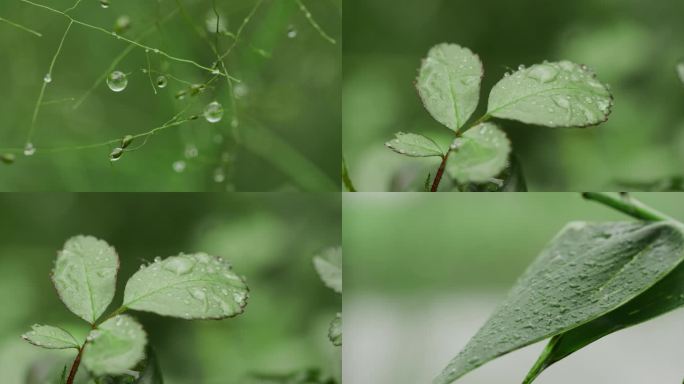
552, 94
189, 286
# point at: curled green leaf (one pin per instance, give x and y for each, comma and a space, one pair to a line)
195, 286
85, 276
329, 267
586, 272
561, 94
449, 84
479, 155
115, 346
50, 337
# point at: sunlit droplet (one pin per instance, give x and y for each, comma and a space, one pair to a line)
29, 149
291, 32
178, 166
47, 78
104, 4
213, 112
126, 141
162, 81
219, 175
117, 81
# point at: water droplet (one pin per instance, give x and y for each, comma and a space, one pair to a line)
180, 95
162, 81
116, 154
219, 175
521, 67
215, 71
7, 158
117, 81
198, 294
104, 4
291, 32
213, 112
126, 141
155, 50
29, 149
122, 24
179, 265
543, 73
47, 78
211, 22
157, 259
190, 151
561, 101
240, 90
178, 166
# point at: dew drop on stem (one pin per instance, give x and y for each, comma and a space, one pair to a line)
29, 149
162, 82
47, 78
213, 112
291, 32
117, 81
104, 4
116, 154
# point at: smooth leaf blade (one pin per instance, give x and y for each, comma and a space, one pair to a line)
665, 296
335, 331
414, 145
588, 270
50, 337
329, 267
115, 346
195, 286
449, 84
479, 155
561, 94
85, 276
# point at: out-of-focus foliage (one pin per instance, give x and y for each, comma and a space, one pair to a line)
268, 238
634, 46
282, 133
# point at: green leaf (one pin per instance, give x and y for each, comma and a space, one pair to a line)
479, 155
196, 286
85, 276
329, 267
666, 295
335, 331
414, 145
50, 337
587, 271
115, 346
449, 84
562, 94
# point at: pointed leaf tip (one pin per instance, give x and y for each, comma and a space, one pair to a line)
329, 267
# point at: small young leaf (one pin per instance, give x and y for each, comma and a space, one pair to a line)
85, 276
335, 331
449, 84
480, 154
562, 94
50, 337
196, 286
414, 145
115, 346
587, 271
664, 296
329, 267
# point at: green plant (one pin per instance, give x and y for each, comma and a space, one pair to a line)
552, 94
223, 87
591, 280
188, 286
329, 267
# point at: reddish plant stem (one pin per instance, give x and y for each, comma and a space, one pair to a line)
440, 172
74, 366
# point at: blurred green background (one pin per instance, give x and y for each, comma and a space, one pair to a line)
288, 104
423, 273
632, 45
269, 238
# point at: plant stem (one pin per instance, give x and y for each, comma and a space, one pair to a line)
628, 205
74, 366
440, 172
346, 179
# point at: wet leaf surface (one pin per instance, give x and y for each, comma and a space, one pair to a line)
329, 267
414, 145
195, 286
115, 347
449, 84
50, 337
561, 94
586, 272
85, 276
480, 154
